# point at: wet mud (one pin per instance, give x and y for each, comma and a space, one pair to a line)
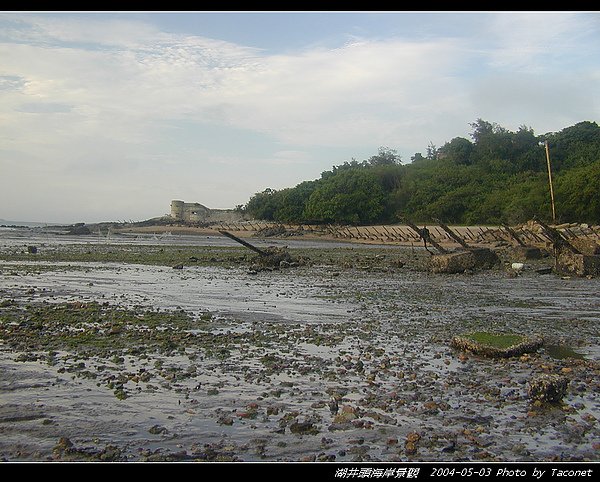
346, 358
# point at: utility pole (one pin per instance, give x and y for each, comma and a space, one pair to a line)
550, 182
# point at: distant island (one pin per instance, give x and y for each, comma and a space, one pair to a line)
27, 224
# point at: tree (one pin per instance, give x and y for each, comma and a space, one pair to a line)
574, 146
385, 157
418, 157
350, 197
491, 141
458, 150
483, 129
499, 176
577, 194
264, 204
526, 197
293, 202
432, 151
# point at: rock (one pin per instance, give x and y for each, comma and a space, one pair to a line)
578, 264
157, 429
461, 261
589, 247
225, 420
524, 253
303, 428
63, 448
450, 448
492, 347
485, 258
275, 258
64, 443
451, 262
410, 444
111, 454
548, 388
347, 414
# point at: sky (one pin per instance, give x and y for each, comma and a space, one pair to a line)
108, 116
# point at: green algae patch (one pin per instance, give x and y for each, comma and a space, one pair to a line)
496, 345
152, 255
561, 352
93, 328
497, 340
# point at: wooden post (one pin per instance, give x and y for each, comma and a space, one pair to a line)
550, 182
426, 239
244, 243
398, 233
452, 234
470, 233
389, 234
557, 238
514, 235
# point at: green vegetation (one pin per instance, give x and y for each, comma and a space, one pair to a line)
496, 340
188, 256
561, 352
136, 254
496, 345
93, 327
497, 177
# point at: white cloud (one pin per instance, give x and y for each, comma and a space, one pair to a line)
85, 100
342, 96
349, 94
537, 41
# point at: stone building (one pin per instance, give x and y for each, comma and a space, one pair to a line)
198, 213
189, 212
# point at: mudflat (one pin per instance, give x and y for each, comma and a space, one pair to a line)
179, 348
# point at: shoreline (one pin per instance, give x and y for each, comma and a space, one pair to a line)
369, 235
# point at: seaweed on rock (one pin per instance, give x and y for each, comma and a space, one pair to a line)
496, 345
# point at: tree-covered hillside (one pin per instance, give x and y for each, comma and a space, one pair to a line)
497, 176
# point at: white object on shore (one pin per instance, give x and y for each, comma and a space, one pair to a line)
518, 266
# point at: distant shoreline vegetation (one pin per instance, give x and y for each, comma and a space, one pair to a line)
24, 224
497, 176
